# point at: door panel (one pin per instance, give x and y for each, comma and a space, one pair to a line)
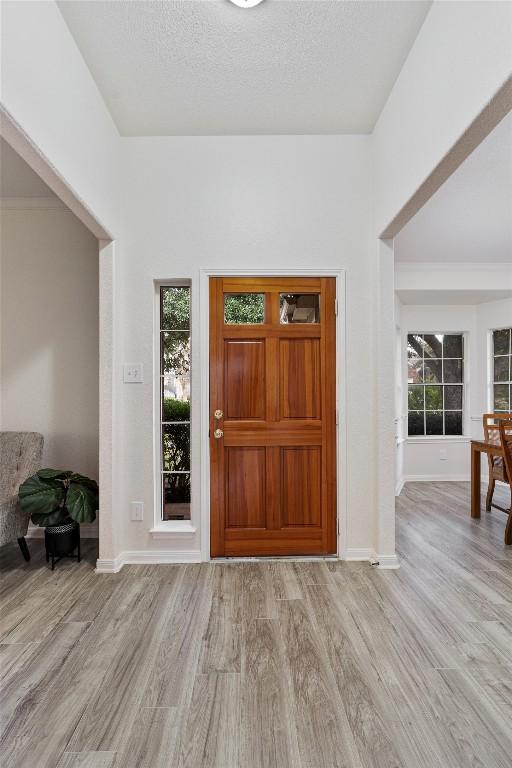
301, 486
300, 375
244, 378
272, 416
245, 487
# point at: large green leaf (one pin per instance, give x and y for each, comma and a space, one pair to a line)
54, 474
81, 503
83, 480
41, 497
55, 518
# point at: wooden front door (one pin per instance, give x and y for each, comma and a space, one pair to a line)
272, 416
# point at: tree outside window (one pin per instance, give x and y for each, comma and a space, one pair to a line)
502, 370
435, 377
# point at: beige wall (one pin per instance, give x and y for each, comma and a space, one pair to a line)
49, 332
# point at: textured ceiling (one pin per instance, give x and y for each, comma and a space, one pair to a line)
469, 219
17, 179
208, 67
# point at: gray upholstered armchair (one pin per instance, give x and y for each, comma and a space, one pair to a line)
20, 457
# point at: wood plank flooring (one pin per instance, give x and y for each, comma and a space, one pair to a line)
267, 664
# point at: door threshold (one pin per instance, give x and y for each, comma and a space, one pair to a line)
275, 559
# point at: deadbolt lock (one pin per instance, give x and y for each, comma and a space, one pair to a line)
218, 414
218, 434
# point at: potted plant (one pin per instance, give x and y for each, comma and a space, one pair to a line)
59, 500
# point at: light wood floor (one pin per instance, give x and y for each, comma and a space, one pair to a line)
275, 665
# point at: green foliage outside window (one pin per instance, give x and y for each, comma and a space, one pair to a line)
502, 370
244, 308
175, 308
175, 368
435, 378
175, 410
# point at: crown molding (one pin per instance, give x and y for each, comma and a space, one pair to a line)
31, 204
451, 266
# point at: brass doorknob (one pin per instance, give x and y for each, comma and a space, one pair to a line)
218, 434
218, 414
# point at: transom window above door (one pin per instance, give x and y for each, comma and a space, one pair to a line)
299, 308
435, 378
244, 308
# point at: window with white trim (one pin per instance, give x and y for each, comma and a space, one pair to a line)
501, 370
435, 379
175, 401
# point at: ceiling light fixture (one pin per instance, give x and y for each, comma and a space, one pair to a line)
246, 3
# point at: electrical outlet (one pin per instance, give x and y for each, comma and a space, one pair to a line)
137, 510
443, 454
133, 373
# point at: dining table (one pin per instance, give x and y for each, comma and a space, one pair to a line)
477, 448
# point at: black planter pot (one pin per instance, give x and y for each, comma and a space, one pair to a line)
62, 541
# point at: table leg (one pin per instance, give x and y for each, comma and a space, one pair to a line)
475, 482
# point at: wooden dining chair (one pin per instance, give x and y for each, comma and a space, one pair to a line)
505, 428
497, 468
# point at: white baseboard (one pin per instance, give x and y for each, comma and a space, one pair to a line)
164, 557
161, 557
147, 557
382, 562
387, 562
399, 486
437, 478
109, 566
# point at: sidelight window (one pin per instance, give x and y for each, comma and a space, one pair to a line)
435, 377
501, 370
175, 401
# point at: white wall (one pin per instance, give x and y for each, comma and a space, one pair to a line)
422, 458
49, 332
47, 89
461, 57
242, 203
400, 426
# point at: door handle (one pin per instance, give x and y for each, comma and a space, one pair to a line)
218, 414
218, 434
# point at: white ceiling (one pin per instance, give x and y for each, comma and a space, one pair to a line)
17, 179
208, 67
469, 219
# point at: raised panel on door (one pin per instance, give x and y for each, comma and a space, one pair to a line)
244, 378
245, 488
300, 378
301, 486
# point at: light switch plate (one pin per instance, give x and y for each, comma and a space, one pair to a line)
137, 510
133, 373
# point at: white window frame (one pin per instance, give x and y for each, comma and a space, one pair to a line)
169, 528
490, 366
466, 430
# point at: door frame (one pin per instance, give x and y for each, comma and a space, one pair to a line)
341, 390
